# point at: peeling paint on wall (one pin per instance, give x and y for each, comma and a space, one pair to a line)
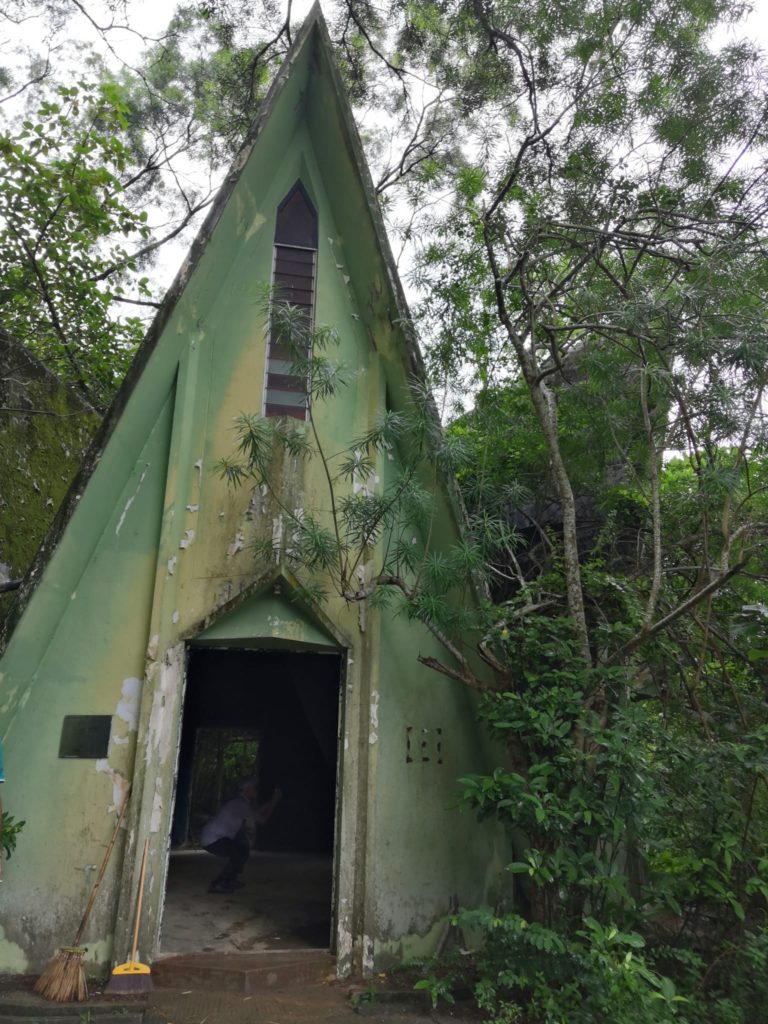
258, 221
237, 544
367, 956
98, 953
171, 564
364, 575
288, 629
186, 540
164, 702
344, 944
128, 707
119, 783
12, 957
277, 536
373, 735
131, 500
156, 819
257, 503
9, 694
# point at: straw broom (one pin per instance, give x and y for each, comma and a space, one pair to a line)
132, 976
63, 980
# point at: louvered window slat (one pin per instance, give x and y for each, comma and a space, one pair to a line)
294, 284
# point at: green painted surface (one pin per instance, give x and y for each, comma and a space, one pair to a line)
159, 553
267, 618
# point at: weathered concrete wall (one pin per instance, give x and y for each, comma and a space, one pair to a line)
158, 553
44, 430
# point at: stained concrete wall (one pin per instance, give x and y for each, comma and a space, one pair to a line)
44, 430
158, 550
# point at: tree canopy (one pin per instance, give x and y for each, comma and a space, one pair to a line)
578, 193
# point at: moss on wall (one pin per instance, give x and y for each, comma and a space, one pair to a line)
44, 429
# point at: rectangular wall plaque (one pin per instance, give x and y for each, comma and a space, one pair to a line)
85, 736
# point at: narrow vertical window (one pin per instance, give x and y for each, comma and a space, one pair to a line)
293, 283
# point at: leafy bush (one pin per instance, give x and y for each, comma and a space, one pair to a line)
641, 858
10, 831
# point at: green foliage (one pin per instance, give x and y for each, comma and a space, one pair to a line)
596, 973
64, 236
375, 534
591, 254
223, 758
637, 885
437, 987
10, 831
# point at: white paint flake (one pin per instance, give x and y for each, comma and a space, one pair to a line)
199, 464
277, 536
119, 783
344, 944
375, 709
192, 508
237, 544
186, 540
367, 956
130, 501
175, 617
171, 564
164, 706
128, 707
157, 813
373, 734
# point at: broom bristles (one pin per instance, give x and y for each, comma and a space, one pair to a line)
63, 980
130, 982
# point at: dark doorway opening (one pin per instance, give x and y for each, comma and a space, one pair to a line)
272, 716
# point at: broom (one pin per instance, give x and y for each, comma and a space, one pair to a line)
133, 977
63, 980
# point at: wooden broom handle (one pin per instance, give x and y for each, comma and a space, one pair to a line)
102, 870
142, 875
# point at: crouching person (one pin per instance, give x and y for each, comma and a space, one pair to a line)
225, 836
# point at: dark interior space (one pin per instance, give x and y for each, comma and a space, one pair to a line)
272, 716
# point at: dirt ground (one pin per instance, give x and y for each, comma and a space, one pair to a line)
311, 1004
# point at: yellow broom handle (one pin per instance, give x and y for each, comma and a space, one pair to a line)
142, 875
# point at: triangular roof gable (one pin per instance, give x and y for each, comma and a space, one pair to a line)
271, 613
330, 115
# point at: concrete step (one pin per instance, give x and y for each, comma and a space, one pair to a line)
24, 1007
242, 972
